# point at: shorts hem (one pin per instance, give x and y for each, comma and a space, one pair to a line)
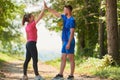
67, 53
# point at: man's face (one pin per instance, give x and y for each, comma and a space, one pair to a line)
66, 11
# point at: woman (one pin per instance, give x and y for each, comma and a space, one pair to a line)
31, 50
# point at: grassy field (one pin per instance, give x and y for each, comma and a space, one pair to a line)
93, 67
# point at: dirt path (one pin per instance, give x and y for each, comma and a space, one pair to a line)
13, 71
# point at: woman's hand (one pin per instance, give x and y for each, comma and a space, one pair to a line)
45, 6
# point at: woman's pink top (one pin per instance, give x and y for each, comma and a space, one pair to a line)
31, 31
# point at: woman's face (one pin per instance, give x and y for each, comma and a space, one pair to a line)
31, 18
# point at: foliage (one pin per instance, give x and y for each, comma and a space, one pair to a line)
109, 72
10, 14
100, 67
93, 67
107, 60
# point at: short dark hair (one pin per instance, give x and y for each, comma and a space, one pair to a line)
69, 7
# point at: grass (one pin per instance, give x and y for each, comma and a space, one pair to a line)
93, 67
109, 72
56, 64
4, 57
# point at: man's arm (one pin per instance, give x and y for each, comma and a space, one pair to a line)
72, 30
54, 12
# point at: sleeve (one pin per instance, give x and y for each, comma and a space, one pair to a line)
72, 24
63, 17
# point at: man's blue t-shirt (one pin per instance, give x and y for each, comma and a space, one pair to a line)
67, 25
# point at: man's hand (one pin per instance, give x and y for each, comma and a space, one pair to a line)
52, 10
68, 46
72, 30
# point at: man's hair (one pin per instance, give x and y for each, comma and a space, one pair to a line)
69, 7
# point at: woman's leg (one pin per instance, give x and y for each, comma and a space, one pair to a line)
28, 57
34, 55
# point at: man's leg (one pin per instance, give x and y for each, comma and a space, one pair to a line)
72, 63
63, 63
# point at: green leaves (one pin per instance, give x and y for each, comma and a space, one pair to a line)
9, 29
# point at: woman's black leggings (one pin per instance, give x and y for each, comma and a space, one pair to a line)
31, 52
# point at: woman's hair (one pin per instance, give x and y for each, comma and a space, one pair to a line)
69, 7
26, 18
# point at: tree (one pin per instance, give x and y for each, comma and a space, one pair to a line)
9, 30
101, 37
112, 29
119, 20
101, 30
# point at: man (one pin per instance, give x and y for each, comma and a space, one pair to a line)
67, 39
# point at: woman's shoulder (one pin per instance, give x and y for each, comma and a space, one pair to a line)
31, 23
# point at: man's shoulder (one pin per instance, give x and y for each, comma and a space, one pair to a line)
63, 16
72, 19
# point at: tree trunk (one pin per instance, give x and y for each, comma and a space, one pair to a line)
80, 43
87, 23
101, 34
112, 29
119, 29
101, 38
119, 35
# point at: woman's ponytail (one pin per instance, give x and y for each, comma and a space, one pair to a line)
26, 18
